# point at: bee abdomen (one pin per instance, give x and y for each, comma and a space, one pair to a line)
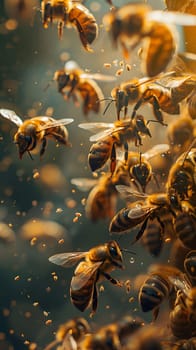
185, 227
120, 222
179, 322
152, 239
99, 154
152, 293
81, 297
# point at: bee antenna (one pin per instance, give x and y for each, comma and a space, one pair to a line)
155, 121
30, 155
127, 251
48, 85
108, 105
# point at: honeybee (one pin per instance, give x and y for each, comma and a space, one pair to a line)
185, 228
102, 199
35, 131
97, 264
164, 94
183, 315
113, 135
69, 333
70, 13
181, 178
133, 24
158, 287
111, 336
153, 206
180, 134
73, 82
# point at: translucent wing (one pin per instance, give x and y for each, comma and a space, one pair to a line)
107, 132
127, 191
97, 76
84, 184
79, 281
95, 127
140, 211
158, 149
67, 259
172, 17
12, 116
55, 123
180, 283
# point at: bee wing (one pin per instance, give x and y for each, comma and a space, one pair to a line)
67, 259
139, 211
55, 123
180, 283
84, 184
172, 17
157, 149
105, 130
127, 191
79, 281
11, 115
97, 76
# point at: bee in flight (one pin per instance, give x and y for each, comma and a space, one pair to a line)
133, 24
72, 82
114, 135
71, 14
98, 262
35, 131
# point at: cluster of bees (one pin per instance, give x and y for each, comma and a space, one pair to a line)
133, 176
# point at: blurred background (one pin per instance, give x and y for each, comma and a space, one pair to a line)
41, 213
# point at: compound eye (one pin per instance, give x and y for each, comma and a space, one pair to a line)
113, 251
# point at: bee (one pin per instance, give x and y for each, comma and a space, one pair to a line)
152, 238
74, 82
102, 199
69, 333
151, 207
35, 131
70, 13
164, 94
97, 264
183, 315
180, 134
133, 24
113, 335
114, 135
158, 287
185, 228
181, 178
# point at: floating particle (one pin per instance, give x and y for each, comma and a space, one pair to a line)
61, 241
28, 314
33, 241
48, 322
59, 210
119, 72
121, 63
11, 24
64, 56
107, 65
128, 286
17, 278
70, 203
101, 288
128, 67
46, 313
75, 219
131, 300
32, 346
83, 201
36, 303
36, 174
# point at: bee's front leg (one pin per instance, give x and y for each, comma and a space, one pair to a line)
112, 280
43, 147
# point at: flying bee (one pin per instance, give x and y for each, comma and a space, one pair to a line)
70, 13
158, 287
74, 82
133, 24
180, 134
183, 315
112, 136
69, 333
182, 177
113, 335
35, 131
102, 199
98, 262
151, 207
164, 93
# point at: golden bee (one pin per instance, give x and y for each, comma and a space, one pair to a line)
98, 262
158, 287
70, 13
150, 207
164, 94
112, 336
182, 177
34, 132
180, 134
73, 82
102, 199
69, 333
112, 136
134, 24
